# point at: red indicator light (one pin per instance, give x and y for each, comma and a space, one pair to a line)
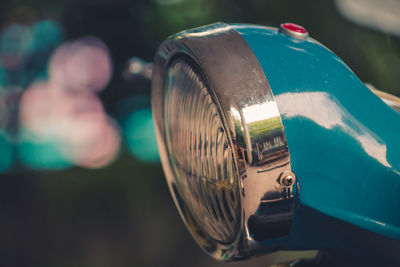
293, 30
294, 27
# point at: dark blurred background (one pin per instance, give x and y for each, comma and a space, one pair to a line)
81, 183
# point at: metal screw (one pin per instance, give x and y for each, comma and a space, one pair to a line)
287, 178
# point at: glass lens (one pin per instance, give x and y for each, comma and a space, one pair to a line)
200, 153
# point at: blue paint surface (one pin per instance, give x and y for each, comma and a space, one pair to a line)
344, 142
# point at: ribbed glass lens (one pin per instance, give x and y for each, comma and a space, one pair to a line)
200, 154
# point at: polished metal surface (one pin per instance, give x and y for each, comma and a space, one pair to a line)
243, 122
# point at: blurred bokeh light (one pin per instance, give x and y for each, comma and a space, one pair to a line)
84, 64
73, 124
46, 35
7, 153
140, 136
15, 41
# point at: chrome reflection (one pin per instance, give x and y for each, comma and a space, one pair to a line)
263, 159
323, 110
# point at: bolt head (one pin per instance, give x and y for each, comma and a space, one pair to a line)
287, 179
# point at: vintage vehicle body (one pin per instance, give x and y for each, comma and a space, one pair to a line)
270, 142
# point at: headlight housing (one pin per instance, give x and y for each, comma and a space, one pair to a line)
222, 142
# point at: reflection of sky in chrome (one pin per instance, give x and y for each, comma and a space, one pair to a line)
259, 112
322, 110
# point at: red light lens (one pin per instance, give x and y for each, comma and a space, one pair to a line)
293, 27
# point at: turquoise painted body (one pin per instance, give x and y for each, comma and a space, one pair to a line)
344, 142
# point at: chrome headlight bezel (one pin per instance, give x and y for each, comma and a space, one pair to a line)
242, 95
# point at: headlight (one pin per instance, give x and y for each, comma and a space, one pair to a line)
222, 142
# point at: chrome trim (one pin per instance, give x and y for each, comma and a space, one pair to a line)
252, 120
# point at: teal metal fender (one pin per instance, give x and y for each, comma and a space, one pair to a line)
344, 142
